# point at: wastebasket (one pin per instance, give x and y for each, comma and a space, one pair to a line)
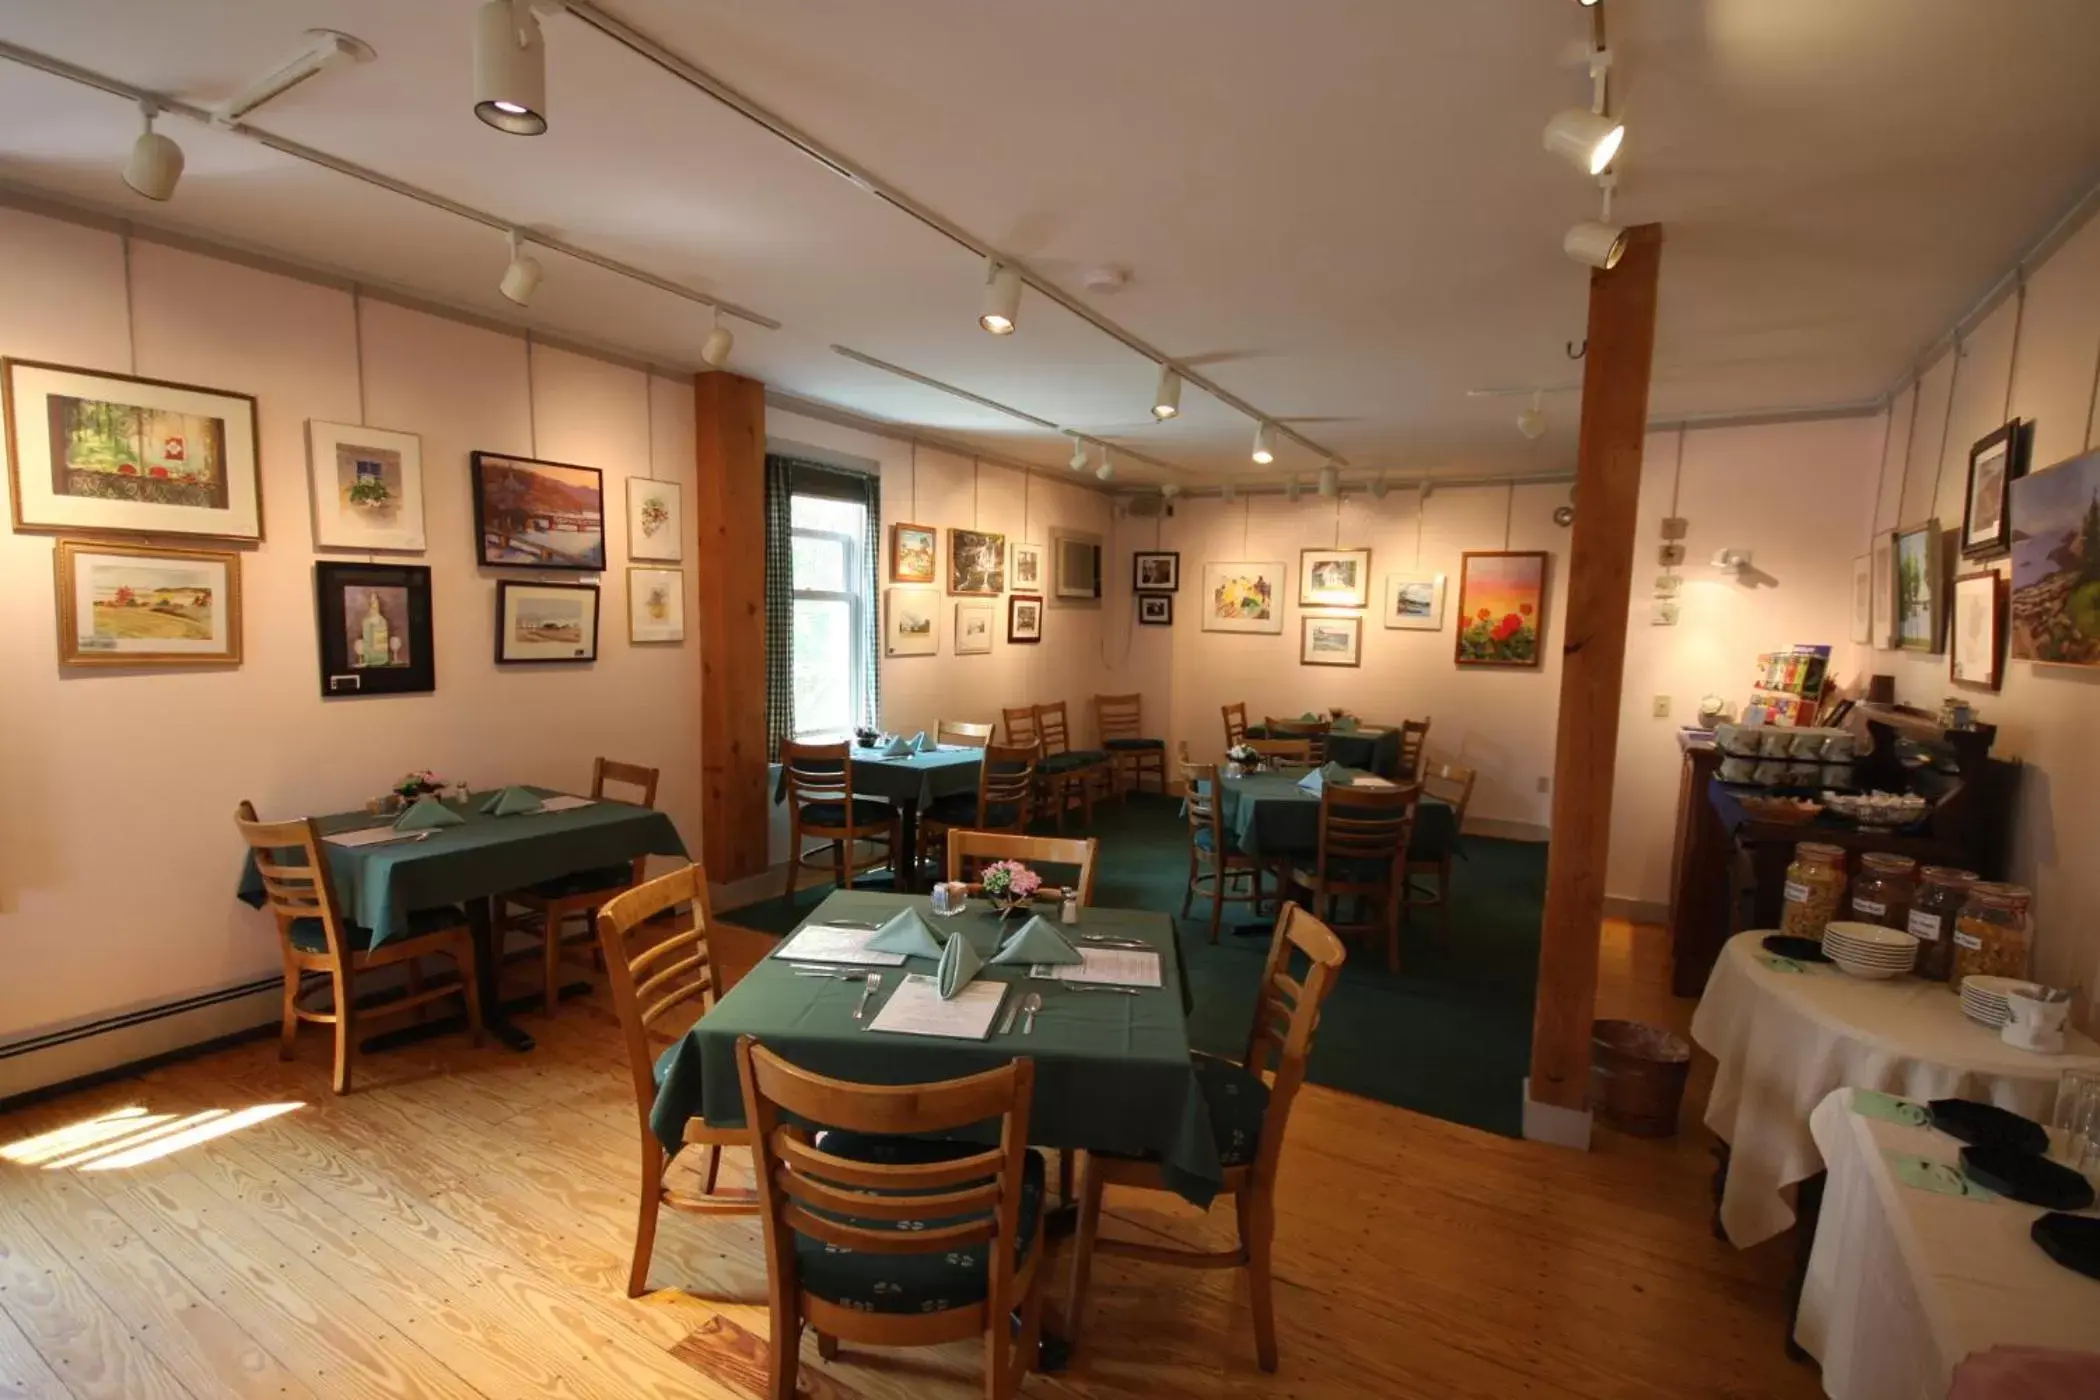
1637, 1074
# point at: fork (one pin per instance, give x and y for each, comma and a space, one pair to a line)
867, 989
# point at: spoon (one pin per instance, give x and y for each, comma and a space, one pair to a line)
1030, 1004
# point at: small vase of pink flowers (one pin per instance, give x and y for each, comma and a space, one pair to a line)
1009, 885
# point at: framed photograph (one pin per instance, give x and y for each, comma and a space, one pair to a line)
1240, 597
367, 488
1975, 649
973, 629
1334, 578
1076, 558
908, 622
1501, 608
2056, 564
1415, 601
119, 455
1024, 618
1921, 590
976, 563
374, 624
135, 605
1883, 570
541, 515
1330, 641
546, 622
1986, 528
911, 553
1155, 609
1863, 599
655, 520
1157, 571
1028, 567
655, 606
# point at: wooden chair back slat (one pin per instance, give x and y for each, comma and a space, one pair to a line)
1020, 725
963, 732
1365, 824
1313, 731
813, 1191
1006, 778
943, 1239
1119, 716
634, 775
817, 772
297, 880
645, 957
1281, 1041
1414, 735
1453, 782
1235, 723
800, 1155
1053, 727
1199, 786
969, 850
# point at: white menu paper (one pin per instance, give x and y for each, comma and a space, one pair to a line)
826, 944
375, 836
916, 1008
1120, 967
563, 802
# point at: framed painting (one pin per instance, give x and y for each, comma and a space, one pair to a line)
375, 629
1921, 590
655, 606
119, 455
541, 515
1501, 608
908, 622
1883, 570
1156, 571
1334, 578
367, 488
973, 629
139, 605
1976, 648
1024, 618
1863, 599
539, 623
1243, 597
1330, 641
1028, 567
976, 563
911, 553
1986, 527
1076, 559
655, 520
1155, 609
2056, 564
1414, 601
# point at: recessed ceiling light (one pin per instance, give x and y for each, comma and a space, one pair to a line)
1166, 399
510, 68
1002, 298
156, 161
522, 278
1589, 139
1262, 451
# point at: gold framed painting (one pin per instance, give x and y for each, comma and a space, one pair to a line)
143, 605
912, 552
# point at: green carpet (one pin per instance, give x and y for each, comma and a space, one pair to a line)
1450, 1036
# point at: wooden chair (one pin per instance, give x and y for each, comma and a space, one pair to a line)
1453, 783
962, 732
1215, 859
1313, 731
1250, 1104
658, 966
299, 890
1020, 725
1003, 800
875, 1237
1119, 719
821, 804
1363, 853
550, 905
1282, 750
1065, 771
1414, 733
968, 850
1235, 723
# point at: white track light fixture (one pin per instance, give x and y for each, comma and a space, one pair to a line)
1107, 470
156, 161
1263, 453
1169, 490
1291, 490
1002, 298
1588, 138
1378, 487
1078, 462
522, 278
510, 68
1598, 242
1330, 480
714, 351
1166, 399
1531, 420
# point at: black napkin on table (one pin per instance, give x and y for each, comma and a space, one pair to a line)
1988, 1125
2025, 1177
1799, 949
2071, 1240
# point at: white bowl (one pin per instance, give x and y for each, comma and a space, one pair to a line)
1870, 936
1871, 973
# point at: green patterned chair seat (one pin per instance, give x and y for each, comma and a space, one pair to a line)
1238, 1101
1136, 745
1072, 762
866, 812
309, 937
960, 809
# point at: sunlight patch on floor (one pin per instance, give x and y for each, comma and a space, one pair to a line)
131, 1137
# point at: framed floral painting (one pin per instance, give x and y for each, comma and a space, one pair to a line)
1501, 608
655, 521
367, 488
1243, 597
655, 606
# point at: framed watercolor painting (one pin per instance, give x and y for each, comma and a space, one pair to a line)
139, 605
1024, 618
655, 606
911, 553
375, 628
1027, 567
1330, 641
908, 622
973, 629
1156, 571
976, 563
1155, 609
367, 488
655, 521
1501, 608
1976, 646
1242, 597
1076, 559
1863, 599
117, 454
1921, 589
1995, 460
1334, 578
1415, 601
1883, 571
2056, 564
542, 515
538, 623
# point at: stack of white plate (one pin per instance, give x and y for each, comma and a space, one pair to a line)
1983, 998
1869, 950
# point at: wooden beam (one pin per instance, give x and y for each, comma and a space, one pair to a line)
1593, 663
729, 496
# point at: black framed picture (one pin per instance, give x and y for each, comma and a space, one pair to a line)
374, 620
1156, 571
1024, 617
1995, 460
538, 515
546, 622
1156, 609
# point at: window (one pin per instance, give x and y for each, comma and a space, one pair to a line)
833, 605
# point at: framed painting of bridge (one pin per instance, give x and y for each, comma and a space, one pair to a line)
539, 515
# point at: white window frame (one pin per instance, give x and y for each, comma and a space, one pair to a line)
856, 606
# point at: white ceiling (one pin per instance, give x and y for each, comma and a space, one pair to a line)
1340, 211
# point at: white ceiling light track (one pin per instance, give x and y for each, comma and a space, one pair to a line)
1590, 139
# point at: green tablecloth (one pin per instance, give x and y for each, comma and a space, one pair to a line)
1111, 1072
1271, 817
917, 779
1374, 748
483, 856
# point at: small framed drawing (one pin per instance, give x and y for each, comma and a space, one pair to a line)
1028, 567
1977, 646
1921, 589
1863, 599
134, 605
1501, 607
1158, 571
1155, 609
546, 515
908, 622
1414, 601
1242, 597
367, 487
973, 629
1076, 559
655, 606
1024, 618
546, 622
1986, 525
1330, 641
655, 520
120, 455
1334, 578
911, 553
976, 563
374, 621
1883, 571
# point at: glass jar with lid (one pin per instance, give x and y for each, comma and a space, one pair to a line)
1881, 893
1934, 905
1815, 885
1991, 934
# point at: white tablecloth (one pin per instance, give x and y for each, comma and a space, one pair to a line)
1784, 1040
1904, 1283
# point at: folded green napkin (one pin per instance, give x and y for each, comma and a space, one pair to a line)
426, 813
1037, 941
1347, 724
898, 747
1309, 717
905, 932
513, 801
1326, 773
921, 743
959, 963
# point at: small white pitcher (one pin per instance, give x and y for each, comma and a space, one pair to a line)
2036, 1025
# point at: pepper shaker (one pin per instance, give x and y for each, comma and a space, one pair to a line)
1068, 910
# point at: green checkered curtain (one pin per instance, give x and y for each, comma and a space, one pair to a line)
780, 604
870, 615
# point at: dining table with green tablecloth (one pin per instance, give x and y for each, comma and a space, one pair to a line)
908, 782
1374, 748
1112, 1072
1271, 817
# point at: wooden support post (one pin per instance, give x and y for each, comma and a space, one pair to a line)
729, 502
1593, 663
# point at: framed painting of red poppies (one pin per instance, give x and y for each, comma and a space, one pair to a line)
1502, 608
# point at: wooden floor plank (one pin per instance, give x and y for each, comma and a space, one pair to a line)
23, 1374
91, 1349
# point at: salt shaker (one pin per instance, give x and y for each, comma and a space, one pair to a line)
1068, 910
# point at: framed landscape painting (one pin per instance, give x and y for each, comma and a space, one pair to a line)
545, 622
1028, 567
542, 515
367, 488
1501, 608
1241, 597
1414, 601
976, 563
1921, 589
1977, 644
1156, 571
1334, 578
1883, 574
655, 521
1330, 641
116, 454
134, 605
375, 629
908, 622
973, 629
1024, 618
911, 553
2056, 564
655, 606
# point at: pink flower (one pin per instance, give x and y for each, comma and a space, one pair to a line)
1006, 879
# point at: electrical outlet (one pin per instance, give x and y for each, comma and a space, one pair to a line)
1660, 708
1545, 784
1667, 585
1670, 556
1662, 614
